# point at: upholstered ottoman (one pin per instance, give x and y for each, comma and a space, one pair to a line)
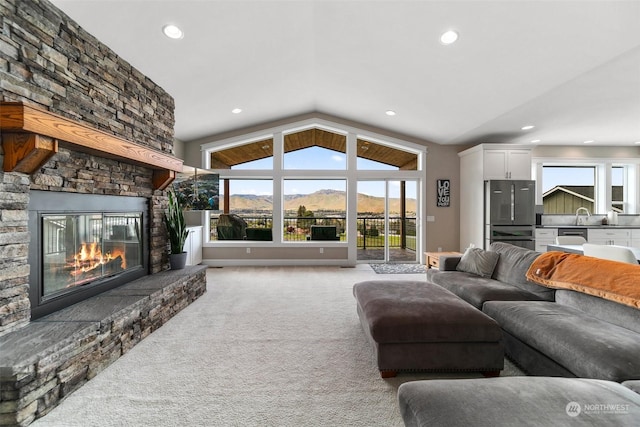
416, 326
518, 401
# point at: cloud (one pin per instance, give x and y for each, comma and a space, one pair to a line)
337, 158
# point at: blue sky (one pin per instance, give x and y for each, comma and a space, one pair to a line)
310, 159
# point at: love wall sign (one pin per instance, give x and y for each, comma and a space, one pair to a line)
444, 193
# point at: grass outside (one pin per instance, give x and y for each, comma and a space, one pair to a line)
363, 241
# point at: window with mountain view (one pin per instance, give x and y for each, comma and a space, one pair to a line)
249, 214
314, 209
290, 185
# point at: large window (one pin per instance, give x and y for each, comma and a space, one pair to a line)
299, 182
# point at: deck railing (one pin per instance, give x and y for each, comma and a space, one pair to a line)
371, 233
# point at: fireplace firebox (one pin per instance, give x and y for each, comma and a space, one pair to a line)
82, 245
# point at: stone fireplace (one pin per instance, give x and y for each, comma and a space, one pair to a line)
82, 245
88, 124
86, 144
92, 209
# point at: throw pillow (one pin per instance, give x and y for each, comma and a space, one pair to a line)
478, 261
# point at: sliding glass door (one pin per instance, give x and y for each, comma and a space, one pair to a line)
387, 226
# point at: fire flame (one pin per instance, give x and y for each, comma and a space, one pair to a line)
90, 256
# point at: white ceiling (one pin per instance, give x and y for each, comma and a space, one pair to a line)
571, 68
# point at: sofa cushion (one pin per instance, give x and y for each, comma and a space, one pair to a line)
398, 311
516, 401
478, 261
512, 268
475, 289
609, 311
585, 345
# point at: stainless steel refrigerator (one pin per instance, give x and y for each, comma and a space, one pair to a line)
510, 212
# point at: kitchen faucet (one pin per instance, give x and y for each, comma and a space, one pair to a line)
579, 219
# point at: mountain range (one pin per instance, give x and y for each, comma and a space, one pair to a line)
319, 201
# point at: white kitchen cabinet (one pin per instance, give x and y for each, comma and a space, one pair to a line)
507, 164
619, 236
635, 237
544, 237
193, 245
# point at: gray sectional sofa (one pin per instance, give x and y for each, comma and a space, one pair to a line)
549, 332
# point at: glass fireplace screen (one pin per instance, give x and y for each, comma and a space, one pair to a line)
78, 249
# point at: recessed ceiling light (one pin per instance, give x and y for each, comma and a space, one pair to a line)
589, 141
533, 141
527, 127
172, 31
390, 113
236, 110
449, 37
637, 142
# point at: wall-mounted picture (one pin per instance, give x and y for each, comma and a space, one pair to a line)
444, 193
197, 189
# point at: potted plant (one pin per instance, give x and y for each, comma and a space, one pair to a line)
177, 230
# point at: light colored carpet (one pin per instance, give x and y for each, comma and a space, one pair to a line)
265, 346
398, 268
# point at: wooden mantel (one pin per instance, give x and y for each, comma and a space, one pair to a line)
30, 137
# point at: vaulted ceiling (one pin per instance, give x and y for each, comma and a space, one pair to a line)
571, 68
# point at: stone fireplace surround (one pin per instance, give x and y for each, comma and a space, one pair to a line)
47, 61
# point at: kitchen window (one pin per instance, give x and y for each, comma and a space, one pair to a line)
599, 186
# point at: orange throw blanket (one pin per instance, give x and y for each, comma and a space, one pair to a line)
612, 280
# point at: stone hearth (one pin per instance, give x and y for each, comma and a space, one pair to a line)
43, 362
